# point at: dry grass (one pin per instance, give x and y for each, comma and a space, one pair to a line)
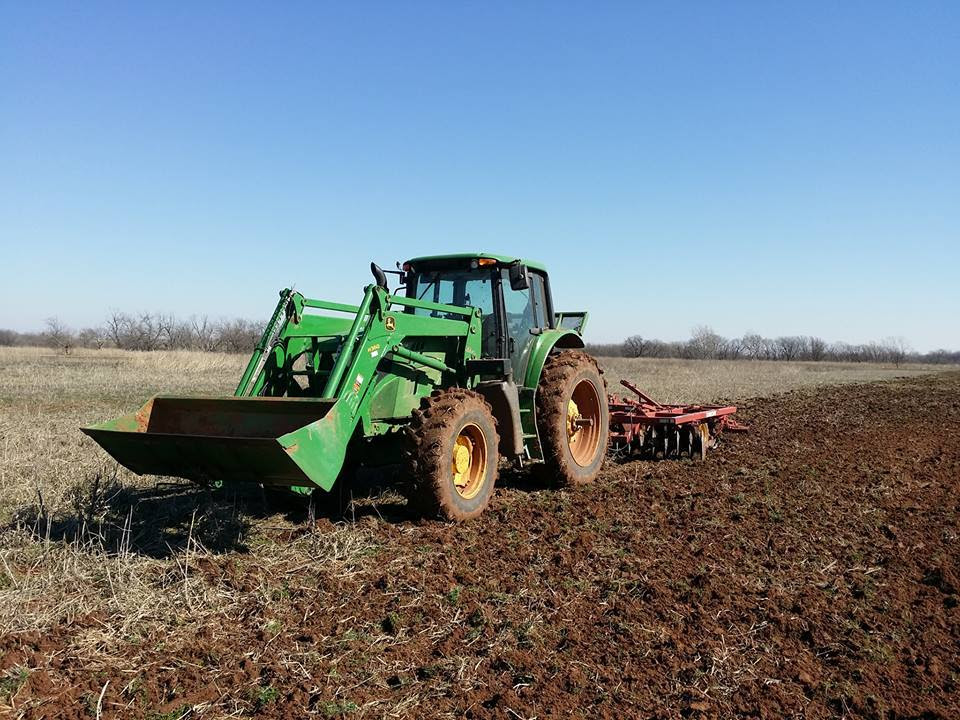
45, 396
83, 542
706, 381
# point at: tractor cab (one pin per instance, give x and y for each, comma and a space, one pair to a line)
512, 294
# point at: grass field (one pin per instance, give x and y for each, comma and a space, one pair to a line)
124, 562
704, 381
45, 396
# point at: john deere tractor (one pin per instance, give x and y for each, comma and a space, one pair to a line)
466, 364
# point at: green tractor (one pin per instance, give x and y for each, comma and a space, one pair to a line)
468, 365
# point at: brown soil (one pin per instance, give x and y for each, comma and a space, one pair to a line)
806, 569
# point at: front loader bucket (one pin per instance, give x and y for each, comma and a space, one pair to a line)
274, 441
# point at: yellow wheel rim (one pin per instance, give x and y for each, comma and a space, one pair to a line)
469, 462
583, 423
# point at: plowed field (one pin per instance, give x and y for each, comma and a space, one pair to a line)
809, 568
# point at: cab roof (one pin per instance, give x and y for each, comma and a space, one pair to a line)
501, 259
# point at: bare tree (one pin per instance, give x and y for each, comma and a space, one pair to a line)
605, 349
635, 346
898, 348
92, 337
789, 347
239, 335
704, 344
873, 352
146, 331
156, 331
941, 356
731, 349
754, 346
116, 328
176, 335
58, 335
840, 351
816, 348
204, 333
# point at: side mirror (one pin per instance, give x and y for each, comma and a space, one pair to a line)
519, 277
379, 275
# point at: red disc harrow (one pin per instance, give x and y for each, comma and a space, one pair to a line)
644, 427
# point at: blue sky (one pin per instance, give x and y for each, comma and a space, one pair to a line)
761, 166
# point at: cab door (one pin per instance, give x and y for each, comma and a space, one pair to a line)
524, 315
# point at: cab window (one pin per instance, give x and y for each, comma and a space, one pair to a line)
452, 287
541, 311
464, 289
521, 316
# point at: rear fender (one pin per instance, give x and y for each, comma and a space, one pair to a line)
544, 344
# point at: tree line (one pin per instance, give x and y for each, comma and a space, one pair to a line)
145, 331
160, 331
705, 344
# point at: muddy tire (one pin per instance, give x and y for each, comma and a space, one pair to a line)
452, 455
573, 419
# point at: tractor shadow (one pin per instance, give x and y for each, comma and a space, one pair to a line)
158, 521
530, 478
168, 518
367, 493
374, 493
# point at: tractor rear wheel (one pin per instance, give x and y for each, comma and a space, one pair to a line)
573, 418
452, 456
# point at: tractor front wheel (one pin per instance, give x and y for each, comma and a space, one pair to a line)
452, 455
573, 419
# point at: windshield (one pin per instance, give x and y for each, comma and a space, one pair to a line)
464, 288
453, 287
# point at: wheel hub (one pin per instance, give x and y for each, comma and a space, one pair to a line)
573, 415
461, 456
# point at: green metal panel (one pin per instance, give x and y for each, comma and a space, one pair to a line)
320, 448
343, 358
543, 345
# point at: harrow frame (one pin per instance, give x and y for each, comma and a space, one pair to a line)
646, 427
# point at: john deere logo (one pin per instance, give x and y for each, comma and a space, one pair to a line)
389, 322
